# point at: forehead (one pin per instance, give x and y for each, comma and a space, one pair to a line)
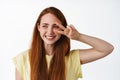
49, 18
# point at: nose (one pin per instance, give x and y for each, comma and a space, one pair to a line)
50, 30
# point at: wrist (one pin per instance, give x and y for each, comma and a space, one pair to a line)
78, 37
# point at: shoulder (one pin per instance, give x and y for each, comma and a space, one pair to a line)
74, 53
21, 62
73, 64
73, 57
22, 54
21, 57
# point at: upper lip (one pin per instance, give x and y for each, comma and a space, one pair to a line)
50, 35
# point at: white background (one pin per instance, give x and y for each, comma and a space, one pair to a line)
99, 18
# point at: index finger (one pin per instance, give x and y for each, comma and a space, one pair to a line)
61, 26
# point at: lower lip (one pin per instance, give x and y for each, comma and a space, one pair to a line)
50, 38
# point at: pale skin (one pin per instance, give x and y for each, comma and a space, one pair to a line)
100, 48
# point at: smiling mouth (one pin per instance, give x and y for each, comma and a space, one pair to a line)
50, 37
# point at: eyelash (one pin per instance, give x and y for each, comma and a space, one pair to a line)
45, 26
53, 27
56, 27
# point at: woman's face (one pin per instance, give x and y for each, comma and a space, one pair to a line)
48, 29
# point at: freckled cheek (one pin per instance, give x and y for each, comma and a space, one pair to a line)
42, 30
56, 31
58, 34
42, 33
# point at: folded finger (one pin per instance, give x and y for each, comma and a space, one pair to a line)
61, 32
61, 26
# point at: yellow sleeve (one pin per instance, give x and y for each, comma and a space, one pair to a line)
19, 63
74, 63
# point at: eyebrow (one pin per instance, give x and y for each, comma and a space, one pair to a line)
48, 24
45, 24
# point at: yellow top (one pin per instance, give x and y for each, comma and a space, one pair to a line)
73, 66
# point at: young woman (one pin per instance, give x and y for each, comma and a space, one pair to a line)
49, 57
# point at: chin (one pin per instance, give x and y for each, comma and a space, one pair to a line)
50, 43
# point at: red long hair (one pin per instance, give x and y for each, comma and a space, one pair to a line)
38, 64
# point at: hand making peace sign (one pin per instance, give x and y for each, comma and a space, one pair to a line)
70, 31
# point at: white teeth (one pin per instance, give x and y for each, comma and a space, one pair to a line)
50, 37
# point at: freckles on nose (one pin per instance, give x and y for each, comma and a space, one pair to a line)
50, 31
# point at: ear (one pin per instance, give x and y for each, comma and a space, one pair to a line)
38, 26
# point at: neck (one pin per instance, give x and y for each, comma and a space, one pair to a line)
49, 49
